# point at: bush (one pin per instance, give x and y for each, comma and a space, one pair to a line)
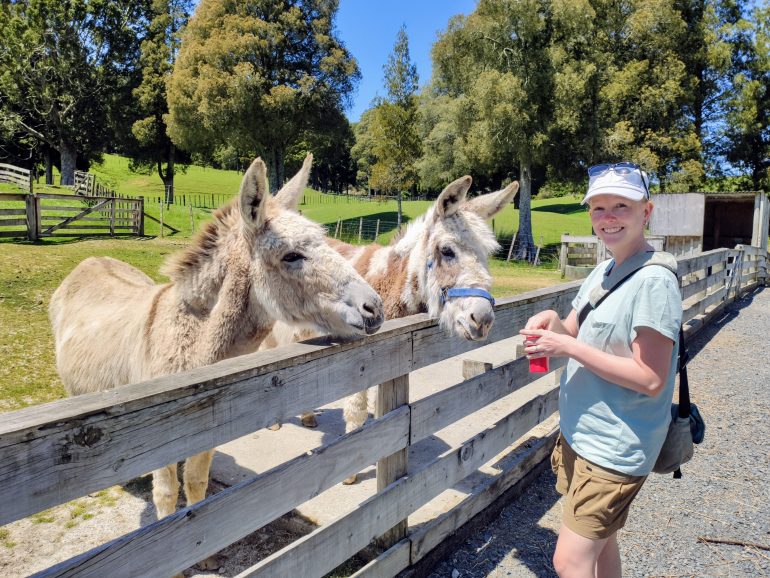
556, 188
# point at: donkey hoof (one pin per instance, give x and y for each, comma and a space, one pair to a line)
351, 480
309, 420
274, 427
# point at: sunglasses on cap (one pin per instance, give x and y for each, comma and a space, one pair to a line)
620, 169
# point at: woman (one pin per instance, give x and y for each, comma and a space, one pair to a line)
617, 388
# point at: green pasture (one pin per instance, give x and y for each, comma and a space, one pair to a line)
550, 217
29, 273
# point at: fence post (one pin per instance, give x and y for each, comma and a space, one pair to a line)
161, 218
390, 395
140, 218
360, 227
192, 221
563, 255
30, 205
337, 229
113, 202
510, 250
38, 216
377, 230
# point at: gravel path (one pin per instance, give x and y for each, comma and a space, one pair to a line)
724, 493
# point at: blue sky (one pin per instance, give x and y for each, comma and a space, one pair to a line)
369, 27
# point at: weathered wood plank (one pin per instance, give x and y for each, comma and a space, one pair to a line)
701, 306
389, 563
436, 531
390, 395
704, 284
324, 548
21, 211
12, 197
13, 222
11, 234
579, 239
186, 537
691, 264
442, 408
59, 451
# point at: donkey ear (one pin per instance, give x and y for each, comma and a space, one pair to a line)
452, 197
254, 194
291, 192
487, 206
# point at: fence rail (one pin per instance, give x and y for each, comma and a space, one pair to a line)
56, 452
16, 176
53, 215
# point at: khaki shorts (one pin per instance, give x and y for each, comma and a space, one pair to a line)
596, 500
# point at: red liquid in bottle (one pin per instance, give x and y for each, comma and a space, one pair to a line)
538, 365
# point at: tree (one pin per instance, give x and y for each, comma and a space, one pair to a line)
647, 93
333, 166
362, 150
498, 58
60, 63
746, 142
394, 130
257, 75
154, 148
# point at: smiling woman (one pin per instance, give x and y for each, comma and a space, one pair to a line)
616, 392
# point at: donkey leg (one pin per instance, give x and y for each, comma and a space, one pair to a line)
355, 413
165, 490
196, 481
196, 476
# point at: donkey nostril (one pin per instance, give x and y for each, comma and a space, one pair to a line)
473, 318
369, 309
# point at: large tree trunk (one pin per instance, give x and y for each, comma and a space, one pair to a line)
526, 249
168, 176
275, 168
48, 166
69, 157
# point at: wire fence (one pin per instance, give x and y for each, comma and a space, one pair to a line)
365, 230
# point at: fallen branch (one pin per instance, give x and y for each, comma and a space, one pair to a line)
733, 542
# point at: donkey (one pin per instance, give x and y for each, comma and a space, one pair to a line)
438, 266
257, 261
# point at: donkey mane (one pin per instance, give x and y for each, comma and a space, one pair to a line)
203, 246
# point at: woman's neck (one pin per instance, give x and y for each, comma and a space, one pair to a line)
621, 255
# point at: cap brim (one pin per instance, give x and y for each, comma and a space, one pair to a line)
632, 194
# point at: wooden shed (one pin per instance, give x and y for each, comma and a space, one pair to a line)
696, 222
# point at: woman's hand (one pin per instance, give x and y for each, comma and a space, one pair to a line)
542, 320
545, 343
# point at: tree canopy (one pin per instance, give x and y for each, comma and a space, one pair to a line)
61, 65
255, 75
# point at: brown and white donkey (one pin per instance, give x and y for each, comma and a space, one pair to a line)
437, 266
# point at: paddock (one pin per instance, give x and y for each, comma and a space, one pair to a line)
56, 452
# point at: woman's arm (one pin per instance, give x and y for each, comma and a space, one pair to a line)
645, 372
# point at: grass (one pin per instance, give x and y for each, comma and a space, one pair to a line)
29, 273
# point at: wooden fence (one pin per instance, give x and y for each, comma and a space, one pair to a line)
16, 176
56, 452
52, 215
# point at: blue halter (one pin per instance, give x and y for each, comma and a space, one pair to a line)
448, 293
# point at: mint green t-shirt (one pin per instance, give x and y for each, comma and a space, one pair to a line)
609, 425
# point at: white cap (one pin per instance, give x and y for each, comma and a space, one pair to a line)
629, 185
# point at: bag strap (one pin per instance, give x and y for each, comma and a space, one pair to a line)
684, 385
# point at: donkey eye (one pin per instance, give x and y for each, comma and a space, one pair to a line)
448, 252
292, 257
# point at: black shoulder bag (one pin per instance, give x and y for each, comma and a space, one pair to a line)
687, 426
